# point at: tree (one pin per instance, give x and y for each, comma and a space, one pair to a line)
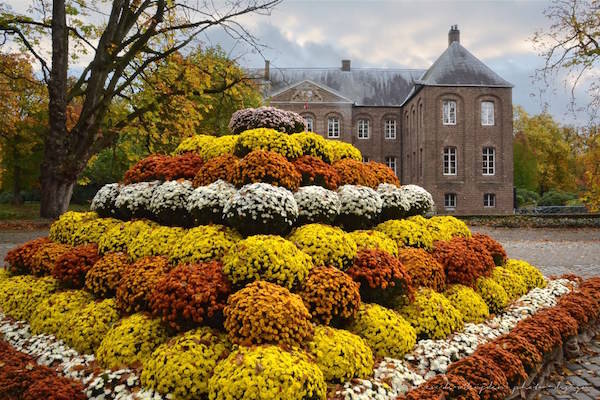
590, 159
22, 123
132, 37
571, 45
525, 163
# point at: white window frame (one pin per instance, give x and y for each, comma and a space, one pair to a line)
310, 123
449, 161
363, 127
488, 161
450, 200
487, 113
449, 112
365, 158
489, 200
333, 127
390, 128
390, 161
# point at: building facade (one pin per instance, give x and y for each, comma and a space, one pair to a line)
447, 128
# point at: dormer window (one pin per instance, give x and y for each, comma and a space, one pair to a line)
487, 113
449, 112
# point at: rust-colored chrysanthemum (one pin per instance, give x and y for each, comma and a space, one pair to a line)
146, 169
19, 259
423, 268
317, 172
104, 276
493, 246
70, 268
485, 377
266, 167
442, 387
383, 173
529, 355
464, 260
221, 167
354, 172
45, 257
507, 361
137, 283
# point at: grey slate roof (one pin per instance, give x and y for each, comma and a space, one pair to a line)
458, 67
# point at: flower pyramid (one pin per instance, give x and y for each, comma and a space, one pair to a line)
274, 264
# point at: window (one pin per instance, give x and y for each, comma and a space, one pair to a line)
391, 162
365, 158
449, 110
489, 200
449, 160
363, 128
487, 113
450, 200
489, 161
309, 124
333, 127
390, 129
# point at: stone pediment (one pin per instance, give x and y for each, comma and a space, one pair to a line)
308, 92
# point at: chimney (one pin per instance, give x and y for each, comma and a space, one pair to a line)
453, 35
267, 70
345, 65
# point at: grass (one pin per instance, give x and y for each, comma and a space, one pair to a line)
30, 211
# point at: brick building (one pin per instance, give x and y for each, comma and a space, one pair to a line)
447, 128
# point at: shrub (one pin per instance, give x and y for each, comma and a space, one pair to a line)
446, 227
531, 275
354, 172
316, 205
266, 117
191, 294
341, 355
267, 373
556, 198
203, 243
509, 363
513, 284
382, 278
19, 259
527, 197
91, 231
221, 167
494, 248
330, 295
527, 353
450, 387
20, 295
423, 268
432, 315
159, 241
45, 257
220, 146
267, 167
195, 144
486, 377
118, 237
314, 146
317, 172
383, 173
263, 312
137, 282
130, 342
269, 258
374, 240
468, 302
145, 170
84, 330
63, 228
386, 332
420, 200
267, 139
393, 203
71, 267
464, 260
206, 203
327, 246
182, 366
134, 200
185, 166
169, 203
359, 207
104, 201
342, 150
260, 208
104, 276
406, 233
492, 293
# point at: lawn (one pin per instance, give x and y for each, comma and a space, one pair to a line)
30, 211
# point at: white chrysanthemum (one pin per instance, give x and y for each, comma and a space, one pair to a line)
134, 200
420, 200
169, 203
394, 204
260, 208
317, 204
360, 206
104, 200
206, 203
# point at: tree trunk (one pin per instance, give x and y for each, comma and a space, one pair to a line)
56, 195
17, 198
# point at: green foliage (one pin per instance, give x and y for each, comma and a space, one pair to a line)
556, 198
526, 197
525, 164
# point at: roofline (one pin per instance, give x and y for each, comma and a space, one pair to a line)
420, 82
308, 102
326, 88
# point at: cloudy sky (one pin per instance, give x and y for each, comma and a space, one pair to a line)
400, 34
